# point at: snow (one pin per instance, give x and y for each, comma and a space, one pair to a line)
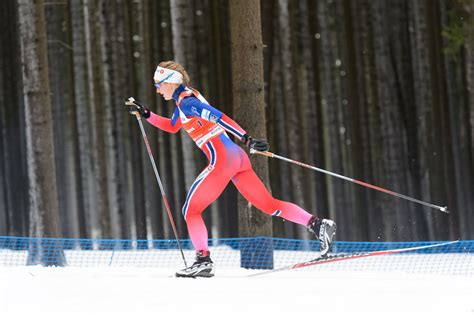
142, 282
131, 290
226, 257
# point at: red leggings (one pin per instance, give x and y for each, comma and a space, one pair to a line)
227, 161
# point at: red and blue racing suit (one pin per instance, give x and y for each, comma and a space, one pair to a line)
208, 127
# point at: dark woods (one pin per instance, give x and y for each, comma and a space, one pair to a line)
381, 91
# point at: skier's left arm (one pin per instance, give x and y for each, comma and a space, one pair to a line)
192, 106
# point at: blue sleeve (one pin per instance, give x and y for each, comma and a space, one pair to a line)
175, 116
192, 107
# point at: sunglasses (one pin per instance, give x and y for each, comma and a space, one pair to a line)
158, 84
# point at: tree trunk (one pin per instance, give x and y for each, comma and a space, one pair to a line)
248, 90
86, 186
275, 117
106, 31
65, 129
333, 125
182, 21
220, 85
458, 76
342, 61
317, 122
278, 139
467, 136
423, 83
393, 134
44, 211
441, 162
291, 101
12, 156
97, 92
182, 17
162, 48
143, 77
398, 21
356, 121
308, 104
172, 164
3, 185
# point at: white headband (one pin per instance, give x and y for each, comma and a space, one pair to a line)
163, 75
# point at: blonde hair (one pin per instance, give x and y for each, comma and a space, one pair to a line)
172, 65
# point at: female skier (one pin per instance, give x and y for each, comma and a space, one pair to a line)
209, 128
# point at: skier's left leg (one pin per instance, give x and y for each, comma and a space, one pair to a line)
252, 188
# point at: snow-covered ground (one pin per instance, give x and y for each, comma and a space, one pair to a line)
127, 290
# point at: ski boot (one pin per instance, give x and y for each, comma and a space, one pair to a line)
324, 230
203, 267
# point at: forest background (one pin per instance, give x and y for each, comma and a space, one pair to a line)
381, 91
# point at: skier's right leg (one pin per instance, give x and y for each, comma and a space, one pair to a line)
206, 188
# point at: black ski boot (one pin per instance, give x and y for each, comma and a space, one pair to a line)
203, 267
324, 230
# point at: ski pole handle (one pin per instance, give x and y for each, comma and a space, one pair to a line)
265, 153
131, 101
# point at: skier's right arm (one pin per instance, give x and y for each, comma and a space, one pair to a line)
169, 125
166, 124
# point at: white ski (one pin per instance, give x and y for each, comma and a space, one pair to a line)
348, 256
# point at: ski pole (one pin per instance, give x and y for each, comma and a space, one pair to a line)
131, 101
355, 181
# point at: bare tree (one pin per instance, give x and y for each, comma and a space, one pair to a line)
393, 134
109, 27
292, 110
86, 186
141, 45
424, 98
332, 112
275, 116
458, 115
182, 17
464, 136
248, 100
12, 125
3, 208
64, 120
44, 210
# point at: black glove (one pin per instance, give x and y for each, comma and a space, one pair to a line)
134, 107
256, 144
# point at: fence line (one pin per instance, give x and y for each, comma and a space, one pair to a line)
250, 253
